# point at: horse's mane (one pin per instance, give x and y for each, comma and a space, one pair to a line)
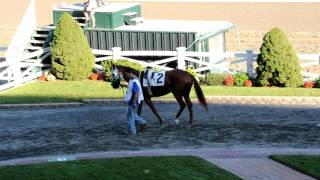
128, 69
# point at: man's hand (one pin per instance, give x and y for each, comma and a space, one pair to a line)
123, 84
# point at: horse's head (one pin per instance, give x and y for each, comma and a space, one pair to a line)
119, 73
116, 77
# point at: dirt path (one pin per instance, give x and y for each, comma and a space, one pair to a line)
102, 128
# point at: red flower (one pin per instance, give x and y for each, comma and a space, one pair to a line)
43, 77
229, 81
247, 83
94, 76
309, 84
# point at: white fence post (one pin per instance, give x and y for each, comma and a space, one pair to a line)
116, 53
249, 57
181, 56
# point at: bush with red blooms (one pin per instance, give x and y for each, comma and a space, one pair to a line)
94, 76
43, 77
229, 81
309, 84
248, 83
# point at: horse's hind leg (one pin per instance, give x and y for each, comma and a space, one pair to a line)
182, 106
189, 104
153, 109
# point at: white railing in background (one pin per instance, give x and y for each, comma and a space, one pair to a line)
29, 61
20, 39
250, 58
181, 56
25, 66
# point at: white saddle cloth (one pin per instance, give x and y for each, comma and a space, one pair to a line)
154, 78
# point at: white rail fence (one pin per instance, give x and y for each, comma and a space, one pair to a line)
22, 70
181, 56
223, 63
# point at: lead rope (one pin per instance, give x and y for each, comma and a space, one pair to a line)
124, 101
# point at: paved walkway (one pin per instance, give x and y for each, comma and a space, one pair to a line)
246, 163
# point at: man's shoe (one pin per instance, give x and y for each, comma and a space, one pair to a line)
142, 126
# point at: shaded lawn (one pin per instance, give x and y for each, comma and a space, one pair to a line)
71, 91
171, 167
307, 164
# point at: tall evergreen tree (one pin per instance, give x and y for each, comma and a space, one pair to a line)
71, 54
278, 63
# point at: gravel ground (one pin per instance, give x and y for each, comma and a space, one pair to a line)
26, 133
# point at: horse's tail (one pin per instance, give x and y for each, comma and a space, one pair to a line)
200, 94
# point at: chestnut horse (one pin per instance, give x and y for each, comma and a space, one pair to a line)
176, 81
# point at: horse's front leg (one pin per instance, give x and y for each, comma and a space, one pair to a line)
153, 109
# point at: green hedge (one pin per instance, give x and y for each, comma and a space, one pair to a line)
215, 79
278, 64
71, 54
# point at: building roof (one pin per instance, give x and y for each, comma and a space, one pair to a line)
201, 27
110, 7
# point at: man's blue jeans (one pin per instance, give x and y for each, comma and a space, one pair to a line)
133, 119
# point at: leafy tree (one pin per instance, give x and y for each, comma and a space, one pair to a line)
71, 57
278, 64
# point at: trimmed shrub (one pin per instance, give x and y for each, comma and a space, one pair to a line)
71, 54
240, 78
229, 81
215, 79
278, 63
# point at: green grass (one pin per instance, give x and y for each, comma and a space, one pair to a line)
71, 91
173, 167
306, 164
59, 91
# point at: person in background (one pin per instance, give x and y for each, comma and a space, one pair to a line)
101, 3
89, 11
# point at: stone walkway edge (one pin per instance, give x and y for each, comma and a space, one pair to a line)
222, 157
201, 152
245, 100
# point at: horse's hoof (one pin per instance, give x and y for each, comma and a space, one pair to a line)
177, 121
190, 126
162, 126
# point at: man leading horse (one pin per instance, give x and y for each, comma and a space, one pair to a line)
178, 82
